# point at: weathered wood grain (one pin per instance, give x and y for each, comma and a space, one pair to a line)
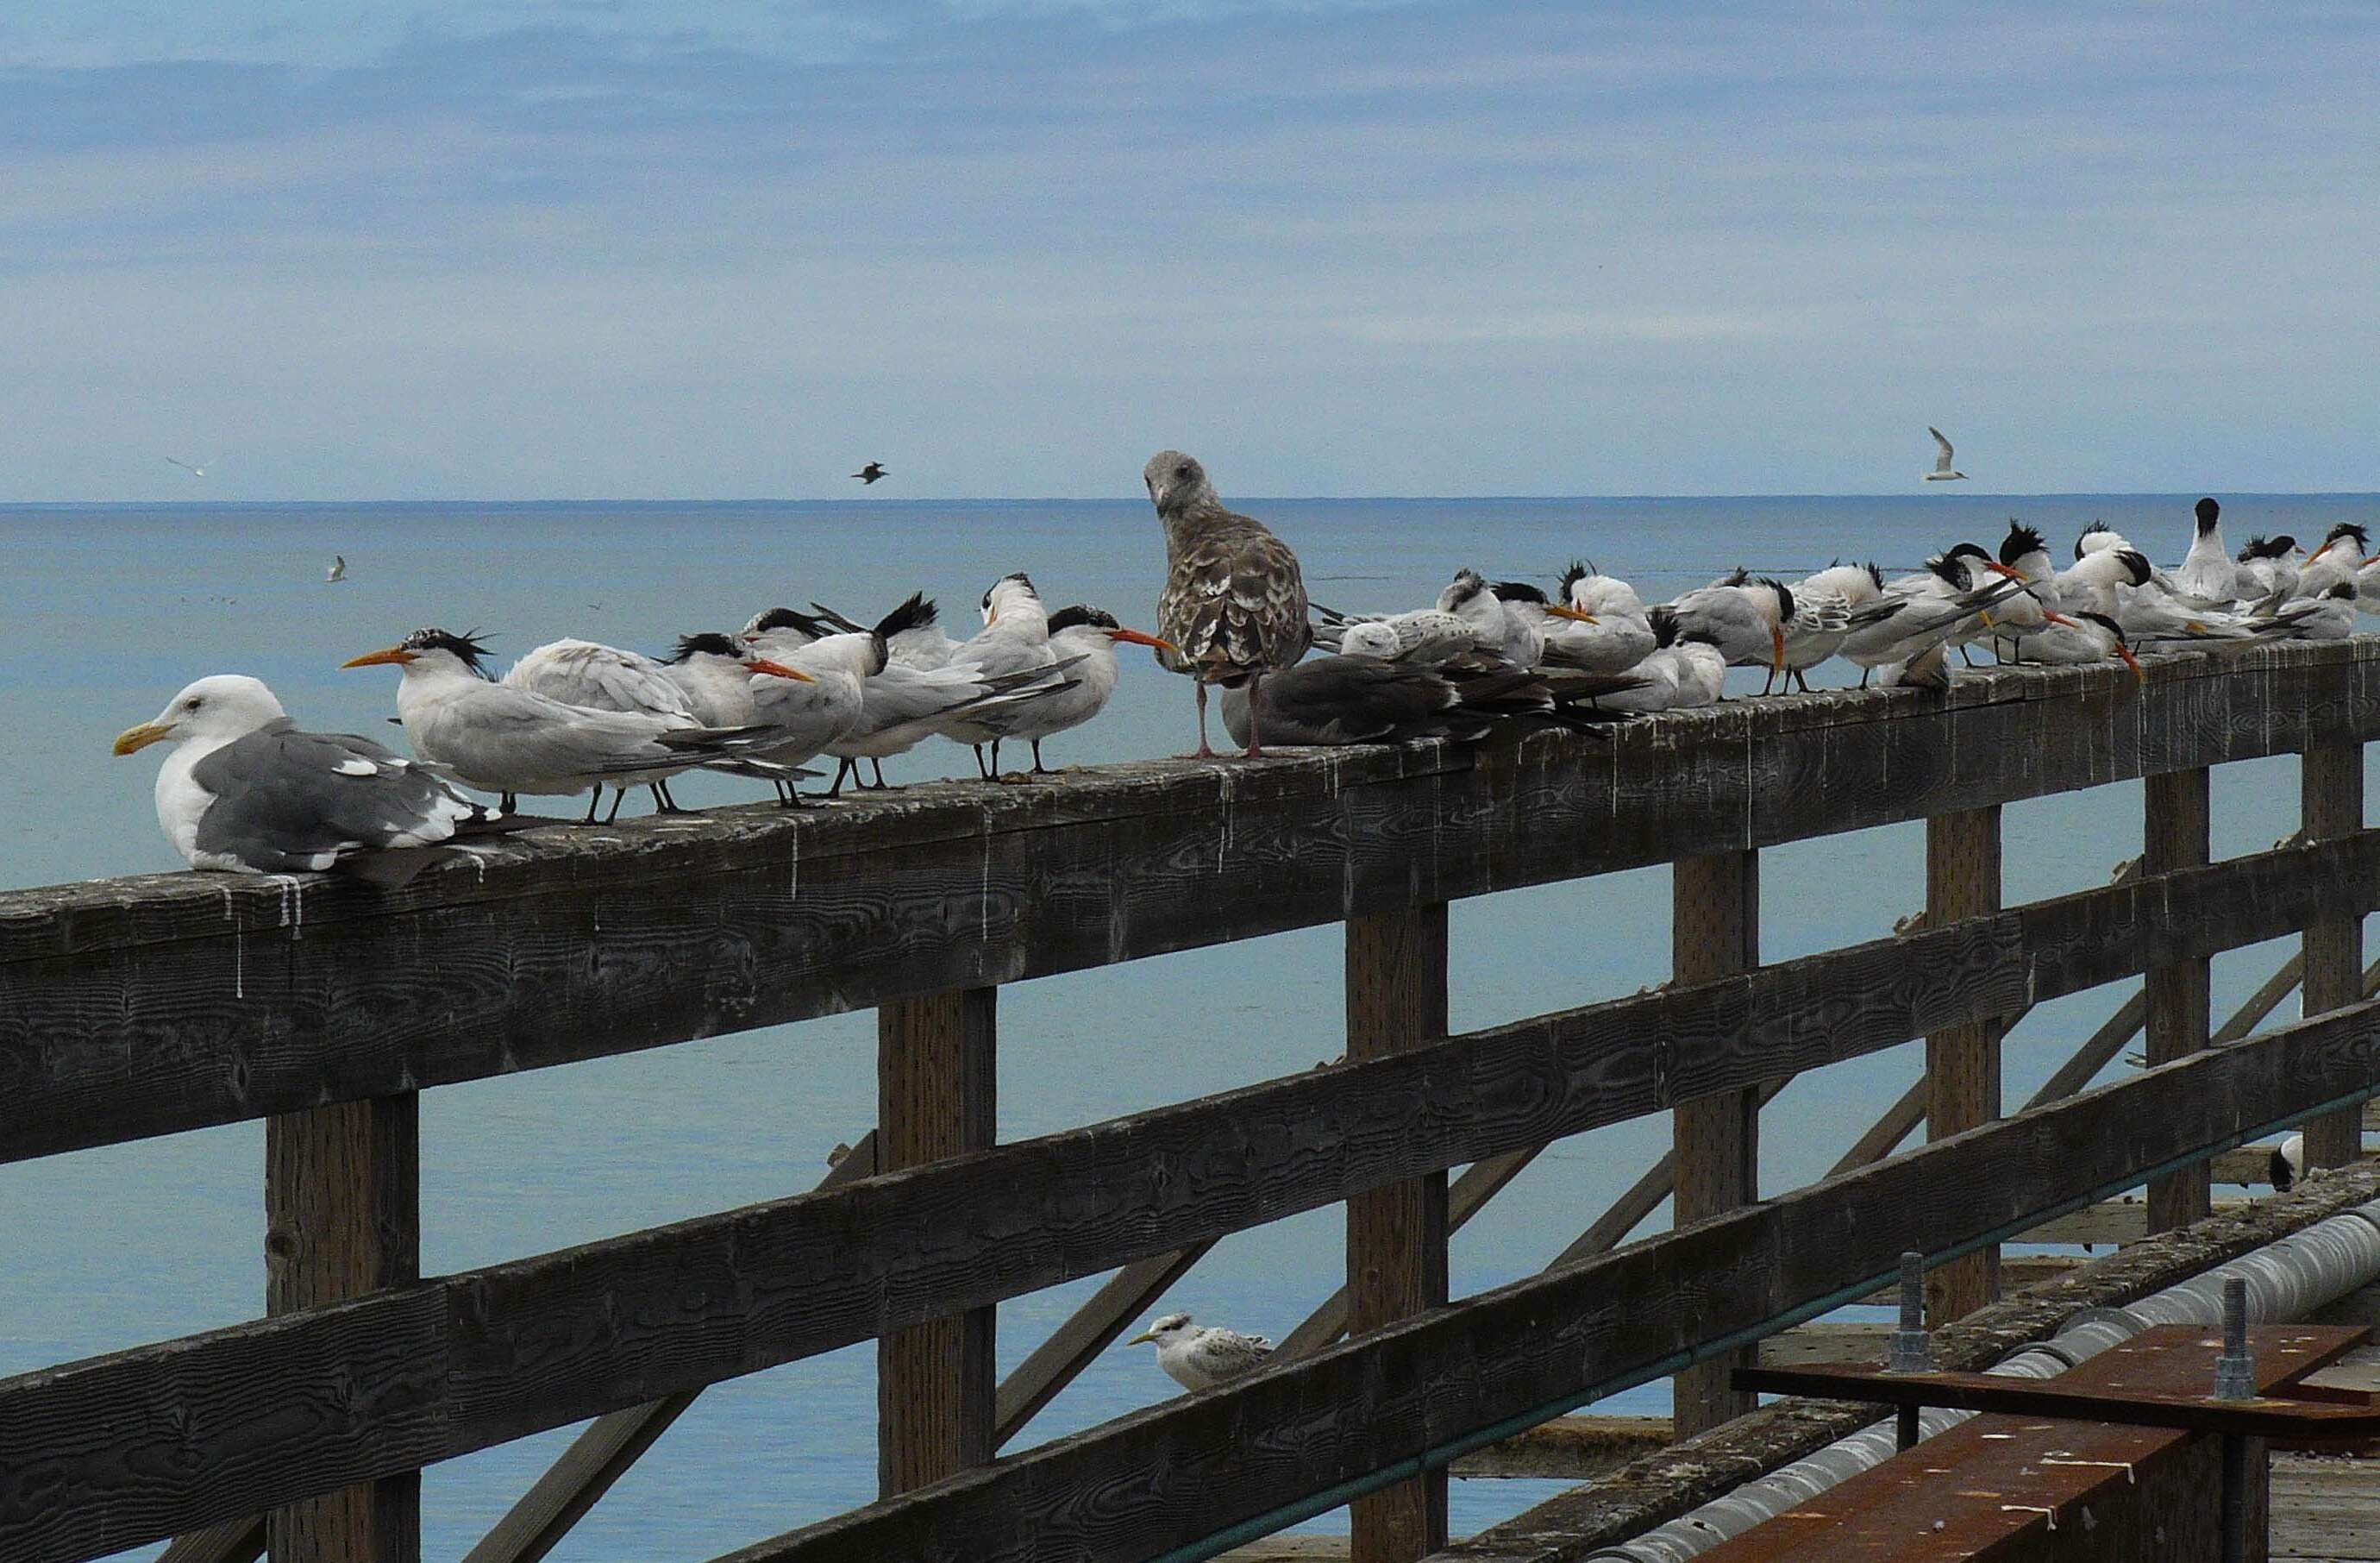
936, 1083
2175, 817
1715, 1139
148, 1005
2332, 805
536, 1343
1962, 1063
604, 1452
1176, 1474
343, 1218
1396, 1235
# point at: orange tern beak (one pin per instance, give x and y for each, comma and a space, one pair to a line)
2059, 619
1998, 569
397, 654
2134, 663
778, 669
1563, 610
1138, 639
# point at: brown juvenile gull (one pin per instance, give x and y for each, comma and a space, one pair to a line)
1233, 604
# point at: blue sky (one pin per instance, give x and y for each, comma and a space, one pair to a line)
619, 249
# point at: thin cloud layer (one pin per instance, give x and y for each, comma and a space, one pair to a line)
554, 250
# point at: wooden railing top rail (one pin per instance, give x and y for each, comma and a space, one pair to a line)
148, 1006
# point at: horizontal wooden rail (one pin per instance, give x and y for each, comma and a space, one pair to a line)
140, 1006
1185, 1471
282, 1408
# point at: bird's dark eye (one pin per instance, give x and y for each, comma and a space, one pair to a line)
191, 705
1181, 471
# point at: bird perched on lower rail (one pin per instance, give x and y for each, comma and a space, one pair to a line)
1201, 1356
1234, 605
246, 791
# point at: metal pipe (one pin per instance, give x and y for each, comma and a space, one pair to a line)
1258, 1526
2283, 1280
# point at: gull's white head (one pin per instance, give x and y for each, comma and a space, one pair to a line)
1163, 1330
213, 710
1370, 639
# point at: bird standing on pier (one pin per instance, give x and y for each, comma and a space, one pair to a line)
1746, 619
1083, 639
509, 740
1201, 1356
2208, 571
1599, 623
245, 791
1233, 605
600, 677
1013, 647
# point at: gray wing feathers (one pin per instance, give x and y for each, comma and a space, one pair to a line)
284, 799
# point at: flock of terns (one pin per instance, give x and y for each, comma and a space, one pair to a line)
248, 790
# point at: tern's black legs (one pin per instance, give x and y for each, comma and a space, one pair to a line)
842, 768
594, 798
880, 783
1039, 768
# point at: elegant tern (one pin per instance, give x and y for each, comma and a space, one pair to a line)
1942, 473
1201, 1356
510, 741
2208, 571
1083, 639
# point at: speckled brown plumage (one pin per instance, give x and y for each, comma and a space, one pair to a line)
1233, 600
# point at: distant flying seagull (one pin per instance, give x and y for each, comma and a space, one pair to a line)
338, 571
1941, 472
869, 473
198, 472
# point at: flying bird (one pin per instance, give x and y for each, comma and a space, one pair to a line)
338, 571
1942, 473
245, 792
200, 470
869, 473
1233, 603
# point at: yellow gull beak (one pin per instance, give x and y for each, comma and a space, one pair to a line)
1142, 1338
1563, 610
133, 739
397, 654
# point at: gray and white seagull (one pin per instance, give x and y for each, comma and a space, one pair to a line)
246, 791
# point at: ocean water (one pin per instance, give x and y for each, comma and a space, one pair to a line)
106, 610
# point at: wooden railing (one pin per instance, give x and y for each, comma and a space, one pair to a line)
141, 1007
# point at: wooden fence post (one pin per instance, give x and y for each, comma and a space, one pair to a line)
342, 1217
936, 1077
2174, 835
1962, 1063
2331, 804
1714, 932
1396, 1236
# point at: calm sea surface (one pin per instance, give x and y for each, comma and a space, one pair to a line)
106, 610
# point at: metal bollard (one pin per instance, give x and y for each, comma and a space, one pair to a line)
2235, 1371
1911, 1348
